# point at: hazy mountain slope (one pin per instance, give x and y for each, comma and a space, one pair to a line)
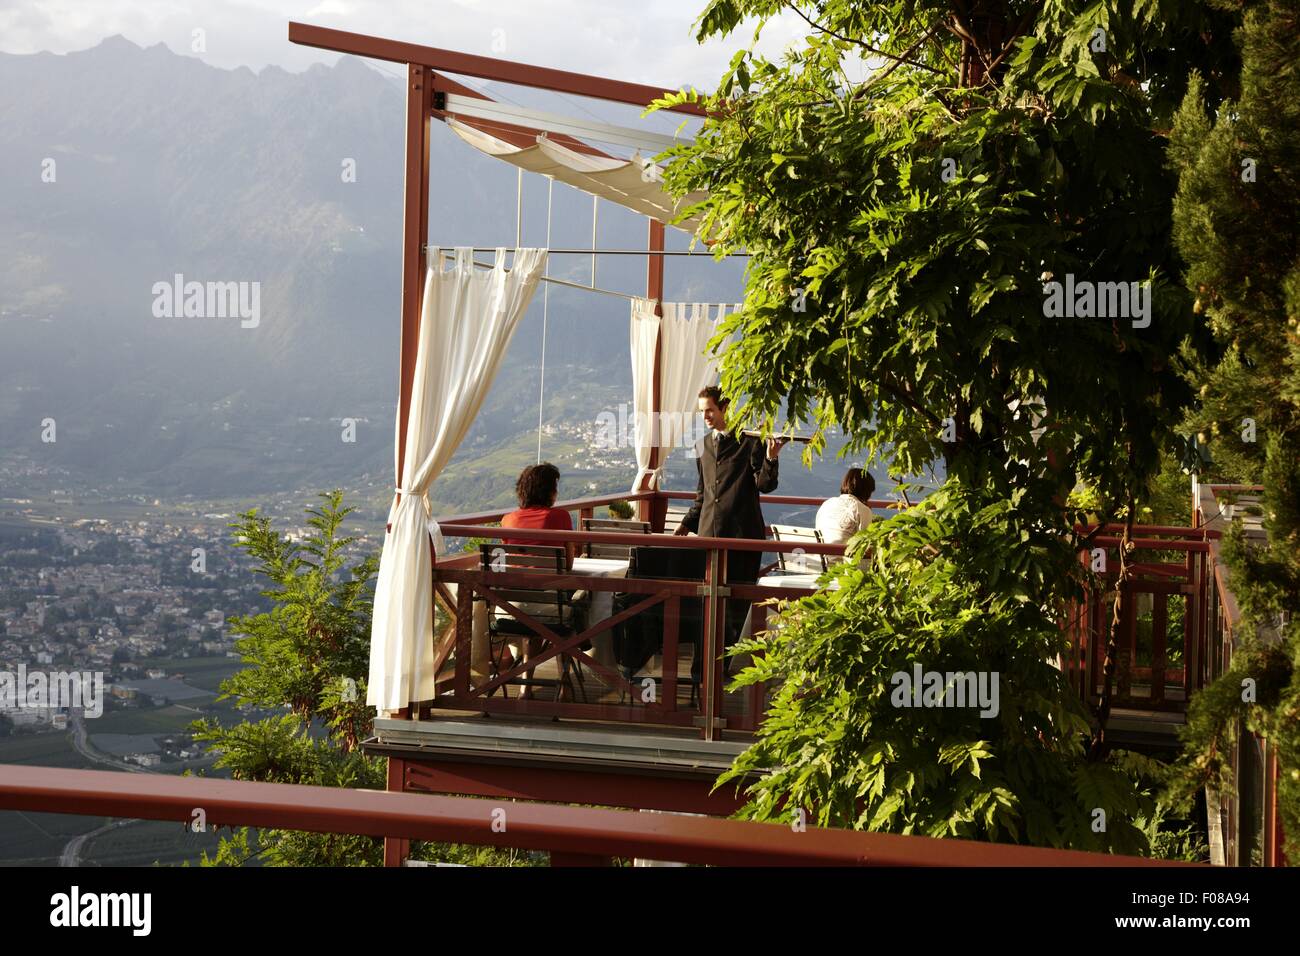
165, 165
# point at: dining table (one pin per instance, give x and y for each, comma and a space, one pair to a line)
601, 603
599, 606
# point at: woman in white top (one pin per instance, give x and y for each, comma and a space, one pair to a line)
838, 519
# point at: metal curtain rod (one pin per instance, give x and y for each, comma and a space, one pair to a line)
595, 252
572, 285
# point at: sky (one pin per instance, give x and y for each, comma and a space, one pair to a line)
634, 40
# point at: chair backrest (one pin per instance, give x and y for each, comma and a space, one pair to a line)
601, 550
527, 559
673, 515
647, 562
799, 563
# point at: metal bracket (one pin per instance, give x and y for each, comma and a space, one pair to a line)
704, 590
439, 100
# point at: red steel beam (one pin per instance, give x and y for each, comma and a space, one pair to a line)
558, 829
415, 234
652, 510
574, 504
512, 133
552, 536
484, 67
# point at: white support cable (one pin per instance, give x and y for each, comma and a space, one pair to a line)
595, 209
546, 303
519, 208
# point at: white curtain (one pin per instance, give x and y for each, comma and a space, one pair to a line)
644, 335
685, 368
467, 320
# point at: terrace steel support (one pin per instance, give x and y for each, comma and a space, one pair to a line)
415, 233
396, 849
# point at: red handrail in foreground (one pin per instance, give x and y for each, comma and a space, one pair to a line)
560, 829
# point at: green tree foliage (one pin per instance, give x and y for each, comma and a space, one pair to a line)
1237, 225
845, 751
308, 656
307, 663
902, 230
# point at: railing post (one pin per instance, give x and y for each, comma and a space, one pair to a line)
464, 636
1197, 628
757, 692
713, 621
672, 632
1159, 648
726, 607
1272, 855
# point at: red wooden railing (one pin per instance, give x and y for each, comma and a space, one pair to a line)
1164, 652
572, 835
462, 692
1167, 597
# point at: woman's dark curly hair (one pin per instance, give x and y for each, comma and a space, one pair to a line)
858, 483
537, 485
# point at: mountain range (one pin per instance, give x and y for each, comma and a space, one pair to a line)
124, 167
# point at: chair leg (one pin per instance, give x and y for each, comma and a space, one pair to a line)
566, 681
505, 688
527, 692
494, 666
582, 684
493, 670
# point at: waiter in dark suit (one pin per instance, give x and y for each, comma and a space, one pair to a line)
734, 471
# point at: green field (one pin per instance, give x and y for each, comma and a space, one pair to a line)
41, 750
147, 842
38, 839
205, 673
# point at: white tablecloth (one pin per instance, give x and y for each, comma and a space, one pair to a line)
602, 603
792, 581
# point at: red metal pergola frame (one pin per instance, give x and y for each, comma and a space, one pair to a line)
425, 68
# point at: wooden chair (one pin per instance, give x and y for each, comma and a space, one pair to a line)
799, 563
553, 607
622, 551
674, 514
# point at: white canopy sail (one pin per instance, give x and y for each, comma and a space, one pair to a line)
631, 183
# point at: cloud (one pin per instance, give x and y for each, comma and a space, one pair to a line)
621, 39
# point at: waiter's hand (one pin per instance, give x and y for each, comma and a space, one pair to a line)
681, 531
774, 446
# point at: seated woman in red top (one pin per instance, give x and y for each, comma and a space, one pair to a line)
537, 488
